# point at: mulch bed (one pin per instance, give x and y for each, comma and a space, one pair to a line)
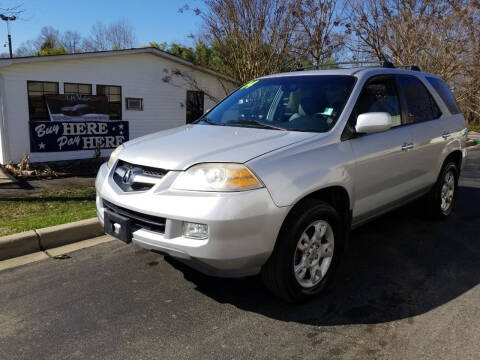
25, 170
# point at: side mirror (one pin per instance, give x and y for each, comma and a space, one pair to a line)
373, 122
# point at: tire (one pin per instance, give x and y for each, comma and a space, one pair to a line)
440, 202
300, 245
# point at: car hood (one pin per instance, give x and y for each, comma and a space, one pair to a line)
182, 147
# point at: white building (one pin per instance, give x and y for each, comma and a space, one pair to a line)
147, 90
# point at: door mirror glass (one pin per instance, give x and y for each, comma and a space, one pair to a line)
373, 122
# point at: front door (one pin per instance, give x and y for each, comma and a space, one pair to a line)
383, 169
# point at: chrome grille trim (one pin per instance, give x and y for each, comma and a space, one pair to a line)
141, 178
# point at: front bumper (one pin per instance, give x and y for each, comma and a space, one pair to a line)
242, 226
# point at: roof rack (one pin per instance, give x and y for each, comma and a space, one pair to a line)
388, 64
358, 64
343, 65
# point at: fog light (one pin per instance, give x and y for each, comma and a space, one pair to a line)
195, 231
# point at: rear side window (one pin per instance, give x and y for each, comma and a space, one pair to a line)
442, 89
420, 104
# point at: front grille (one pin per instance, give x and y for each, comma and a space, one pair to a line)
144, 179
147, 170
138, 220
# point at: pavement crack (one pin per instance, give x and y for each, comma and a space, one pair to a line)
40, 246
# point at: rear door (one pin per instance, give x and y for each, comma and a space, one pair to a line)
424, 119
383, 171
452, 120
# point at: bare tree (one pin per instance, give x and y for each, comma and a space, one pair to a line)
48, 42
253, 37
441, 36
116, 36
97, 41
49, 37
467, 86
26, 48
423, 32
72, 41
121, 35
318, 35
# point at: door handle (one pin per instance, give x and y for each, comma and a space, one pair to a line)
407, 146
446, 135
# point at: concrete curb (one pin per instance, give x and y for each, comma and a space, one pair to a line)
38, 240
18, 244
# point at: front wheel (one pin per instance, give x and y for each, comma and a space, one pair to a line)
307, 252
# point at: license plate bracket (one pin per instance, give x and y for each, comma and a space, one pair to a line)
117, 226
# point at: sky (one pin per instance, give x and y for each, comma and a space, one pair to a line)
153, 20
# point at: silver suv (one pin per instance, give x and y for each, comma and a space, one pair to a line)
273, 178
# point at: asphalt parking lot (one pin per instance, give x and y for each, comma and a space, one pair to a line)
408, 288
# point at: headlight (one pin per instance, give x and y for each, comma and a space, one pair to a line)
217, 177
114, 156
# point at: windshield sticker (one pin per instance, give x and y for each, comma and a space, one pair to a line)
250, 83
328, 111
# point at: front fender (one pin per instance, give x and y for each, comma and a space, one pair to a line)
292, 173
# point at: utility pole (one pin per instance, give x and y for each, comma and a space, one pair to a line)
7, 19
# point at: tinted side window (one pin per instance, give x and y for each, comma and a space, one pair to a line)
420, 104
380, 95
442, 89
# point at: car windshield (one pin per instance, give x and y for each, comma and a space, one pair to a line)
296, 103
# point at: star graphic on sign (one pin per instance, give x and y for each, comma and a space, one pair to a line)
120, 127
121, 132
41, 146
113, 128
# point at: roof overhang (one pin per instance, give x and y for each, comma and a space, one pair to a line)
85, 55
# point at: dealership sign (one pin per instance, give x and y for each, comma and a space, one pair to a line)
74, 107
77, 122
51, 136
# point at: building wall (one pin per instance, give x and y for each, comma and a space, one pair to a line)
144, 76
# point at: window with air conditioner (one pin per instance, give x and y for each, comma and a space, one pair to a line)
134, 104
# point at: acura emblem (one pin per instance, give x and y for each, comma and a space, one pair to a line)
129, 176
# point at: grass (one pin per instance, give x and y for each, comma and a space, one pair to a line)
474, 126
46, 209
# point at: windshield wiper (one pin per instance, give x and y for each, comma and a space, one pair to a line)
256, 123
208, 121
306, 130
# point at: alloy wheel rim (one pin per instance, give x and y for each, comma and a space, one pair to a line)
447, 192
313, 254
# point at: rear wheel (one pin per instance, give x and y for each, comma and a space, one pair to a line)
307, 252
442, 197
